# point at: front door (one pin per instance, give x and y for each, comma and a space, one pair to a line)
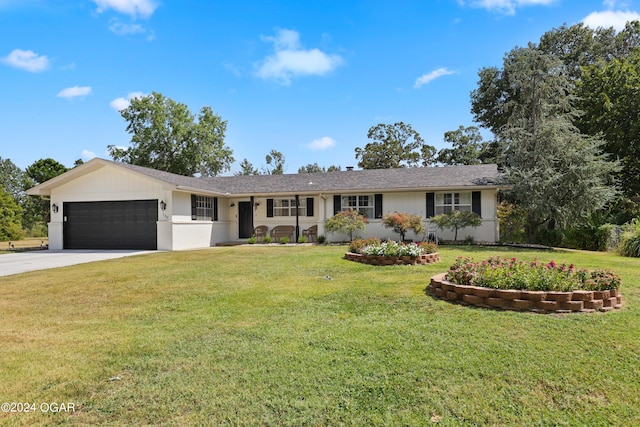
245, 220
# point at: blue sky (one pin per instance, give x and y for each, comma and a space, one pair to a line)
305, 78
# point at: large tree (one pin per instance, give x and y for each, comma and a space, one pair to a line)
609, 95
313, 168
394, 146
467, 148
557, 174
36, 211
275, 163
165, 135
246, 168
10, 217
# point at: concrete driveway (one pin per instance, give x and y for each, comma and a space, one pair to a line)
22, 262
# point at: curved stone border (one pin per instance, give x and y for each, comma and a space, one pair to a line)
535, 301
385, 260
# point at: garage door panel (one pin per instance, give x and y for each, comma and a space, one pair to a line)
130, 224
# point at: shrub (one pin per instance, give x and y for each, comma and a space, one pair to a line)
267, 239
252, 240
456, 220
510, 273
630, 241
402, 222
428, 247
346, 222
284, 240
302, 239
357, 245
321, 239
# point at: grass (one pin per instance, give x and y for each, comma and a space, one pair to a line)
29, 242
258, 336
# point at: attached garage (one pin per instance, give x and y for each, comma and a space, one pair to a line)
129, 224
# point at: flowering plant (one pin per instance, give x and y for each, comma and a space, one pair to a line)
510, 273
391, 248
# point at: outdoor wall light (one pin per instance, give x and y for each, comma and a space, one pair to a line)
54, 208
163, 205
232, 205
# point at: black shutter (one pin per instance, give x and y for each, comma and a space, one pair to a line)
194, 214
475, 202
431, 204
215, 209
337, 203
309, 206
269, 208
378, 205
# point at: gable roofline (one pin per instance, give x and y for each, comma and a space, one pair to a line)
368, 180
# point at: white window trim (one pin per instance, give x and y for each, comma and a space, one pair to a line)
368, 210
290, 210
455, 201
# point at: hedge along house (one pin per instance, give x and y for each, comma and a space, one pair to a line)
110, 205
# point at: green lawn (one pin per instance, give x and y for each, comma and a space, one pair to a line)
257, 336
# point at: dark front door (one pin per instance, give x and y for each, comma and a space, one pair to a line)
245, 220
130, 224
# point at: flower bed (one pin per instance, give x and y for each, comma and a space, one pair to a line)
375, 252
531, 286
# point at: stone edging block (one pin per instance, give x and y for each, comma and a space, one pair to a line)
385, 260
534, 301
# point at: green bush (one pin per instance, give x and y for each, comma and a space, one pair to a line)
252, 240
630, 241
267, 239
321, 239
302, 239
284, 240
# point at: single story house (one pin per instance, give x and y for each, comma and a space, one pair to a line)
111, 205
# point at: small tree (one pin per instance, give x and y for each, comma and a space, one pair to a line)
455, 220
402, 222
347, 222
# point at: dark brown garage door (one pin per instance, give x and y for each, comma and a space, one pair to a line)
127, 224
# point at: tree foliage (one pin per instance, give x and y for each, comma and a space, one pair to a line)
10, 217
44, 169
555, 173
468, 148
347, 222
609, 97
456, 220
275, 163
314, 168
402, 223
394, 146
246, 168
165, 135
36, 211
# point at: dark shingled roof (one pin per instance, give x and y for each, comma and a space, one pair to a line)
343, 181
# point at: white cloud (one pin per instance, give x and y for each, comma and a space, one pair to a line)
87, 155
429, 77
290, 60
120, 104
26, 60
73, 92
610, 18
322, 143
123, 29
133, 8
508, 7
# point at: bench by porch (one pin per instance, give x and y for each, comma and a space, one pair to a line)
280, 231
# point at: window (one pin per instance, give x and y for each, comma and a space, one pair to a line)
365, 204
447, 202
287, 207
204, 208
